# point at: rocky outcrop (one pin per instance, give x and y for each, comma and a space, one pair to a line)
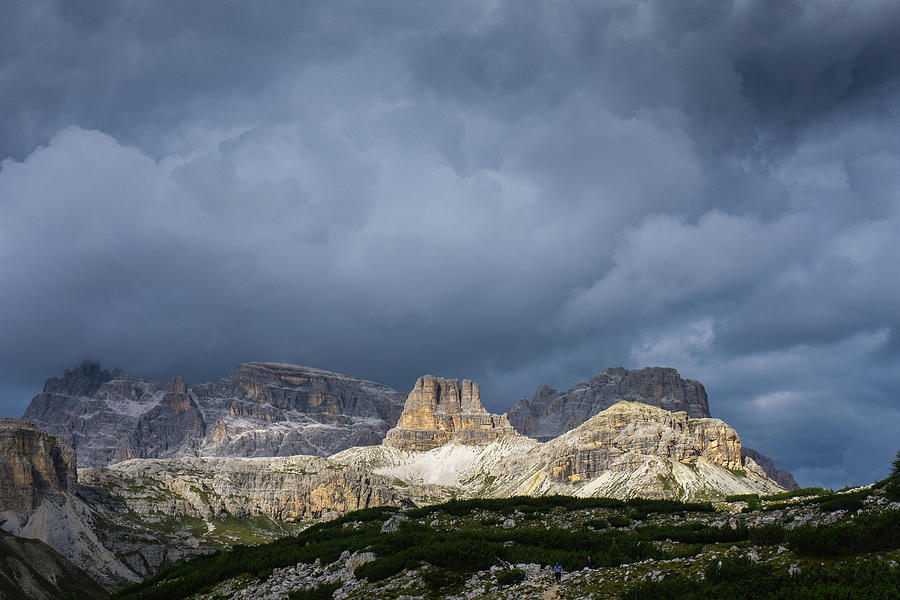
551, 413
33, 466
32, 569
439, 411
263, 409
610, 440
296, 488
784, 478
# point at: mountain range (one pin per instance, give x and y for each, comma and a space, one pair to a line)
169, 470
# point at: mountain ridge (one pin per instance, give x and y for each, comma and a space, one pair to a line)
262, 409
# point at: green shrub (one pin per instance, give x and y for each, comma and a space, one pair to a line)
738, 579
695, 533
382, 568
619, 521
736, 569
323, 592
809, 491
510, 576
741, 497
849, 502
767, 535
684, 551
376, 513
864, 533
442, 580
597, 523
665, 506
672, 588
892, 488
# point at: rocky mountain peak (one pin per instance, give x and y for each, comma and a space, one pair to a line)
440, 410
33, 465
551, 413
83, 380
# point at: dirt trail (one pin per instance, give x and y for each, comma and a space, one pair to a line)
552, 593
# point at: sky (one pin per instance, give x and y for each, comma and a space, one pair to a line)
513, 192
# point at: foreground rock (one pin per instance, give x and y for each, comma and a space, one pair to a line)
439, 411
263, 409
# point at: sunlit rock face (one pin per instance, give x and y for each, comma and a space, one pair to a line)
33, 466
551, 413
629, 429
263, 409
440, 410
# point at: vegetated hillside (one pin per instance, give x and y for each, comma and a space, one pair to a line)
808, 543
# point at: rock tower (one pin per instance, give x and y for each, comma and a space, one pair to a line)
439, 411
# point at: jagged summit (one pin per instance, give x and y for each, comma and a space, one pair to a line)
440, 410
83, 380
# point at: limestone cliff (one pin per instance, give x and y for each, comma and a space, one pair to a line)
439, 411
263, 409
296, 488
33, 466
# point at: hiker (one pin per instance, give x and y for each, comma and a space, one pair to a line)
590, 563
557, 571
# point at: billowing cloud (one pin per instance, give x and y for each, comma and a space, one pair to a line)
517, 192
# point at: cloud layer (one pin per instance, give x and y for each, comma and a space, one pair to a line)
516, 192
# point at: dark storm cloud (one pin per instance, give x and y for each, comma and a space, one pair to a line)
517, 192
